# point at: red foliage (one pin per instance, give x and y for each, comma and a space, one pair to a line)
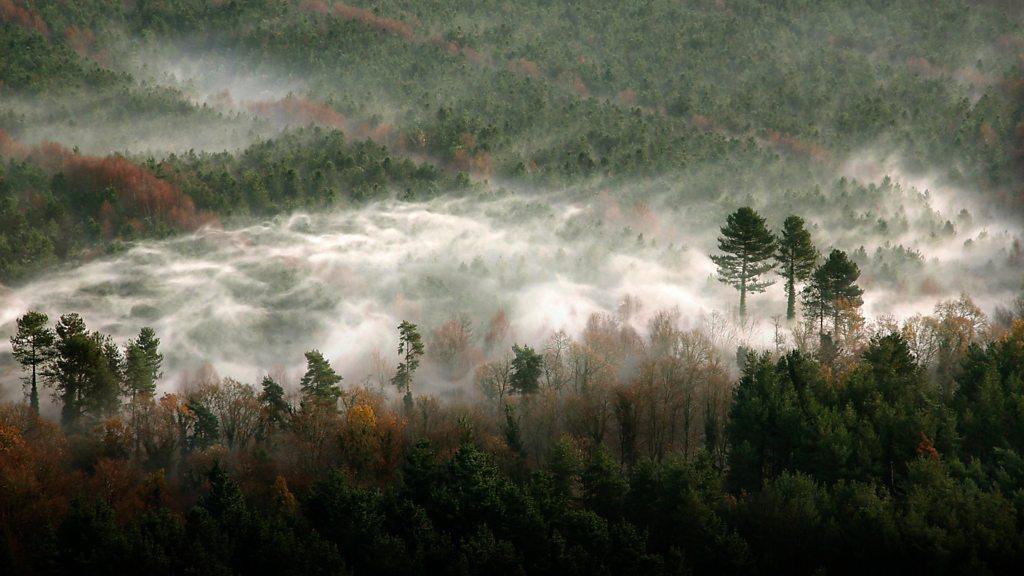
10, 147
139, 191
315, 6
797, 146
525, 67
926, 447
80, 40
702, 122
921, 65
361, 15
83, 41
473, 55
628, 97
25, 16
380, 133
140, 194
579, 87
296, 110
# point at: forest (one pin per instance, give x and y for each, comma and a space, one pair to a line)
441, 287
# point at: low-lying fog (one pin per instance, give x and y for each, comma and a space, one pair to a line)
251, 300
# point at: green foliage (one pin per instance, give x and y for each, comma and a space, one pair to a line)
85, 371
747, 247
32, 347
275, 408
205, 429
320, 382
796, 258
410, 348
832, 290
142, 364
527, 367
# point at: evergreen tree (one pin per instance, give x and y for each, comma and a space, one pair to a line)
143, 362
513, 437
748, 248
85, 370
205, 427
796, 258
527, 366
275, 408
410, 348
32, 347
832, 289
320, 382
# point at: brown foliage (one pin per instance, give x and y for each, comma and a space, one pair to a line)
794, 145
22, 14
525, 67
296, 110
140, 193
361, 15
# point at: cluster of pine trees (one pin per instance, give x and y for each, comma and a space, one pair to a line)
750, 251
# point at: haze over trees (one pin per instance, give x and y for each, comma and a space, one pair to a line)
213, 216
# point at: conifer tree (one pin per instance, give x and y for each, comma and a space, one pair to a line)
32, 347
410, 348
274, 407
320, 382
832, 288
796, 258
748, 247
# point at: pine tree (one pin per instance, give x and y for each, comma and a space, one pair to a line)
69, 369
320, 382
796, 258
86, 371
748, 248
832, 288
274, 406
410, 348
32, 347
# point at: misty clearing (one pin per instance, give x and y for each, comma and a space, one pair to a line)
442, 287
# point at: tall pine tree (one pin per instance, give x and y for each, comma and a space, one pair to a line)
410, 348
796, 258
32, 346
748, 248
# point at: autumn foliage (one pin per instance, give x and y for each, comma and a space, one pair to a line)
22, 14
295, 110
361, 15
139, 198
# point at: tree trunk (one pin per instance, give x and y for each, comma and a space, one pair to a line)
743, 298
791, 294
34, 394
